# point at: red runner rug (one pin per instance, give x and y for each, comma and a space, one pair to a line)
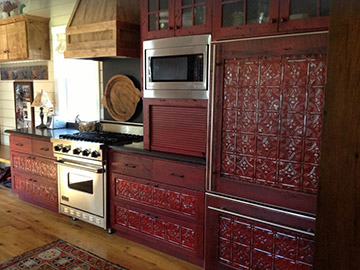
58, 255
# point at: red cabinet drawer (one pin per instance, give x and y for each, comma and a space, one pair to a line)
34, 166
42, 148
21, 144
248, 236
179, 174
172, 200
36, 190
173, 236
132, 165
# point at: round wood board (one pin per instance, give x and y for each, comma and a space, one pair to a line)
121, 97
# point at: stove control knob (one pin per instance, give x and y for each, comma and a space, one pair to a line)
86, 152
58, 147
77, 151
66, 148
95, 154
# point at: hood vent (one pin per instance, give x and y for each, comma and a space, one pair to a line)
106, 28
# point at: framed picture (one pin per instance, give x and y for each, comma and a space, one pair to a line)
23, 97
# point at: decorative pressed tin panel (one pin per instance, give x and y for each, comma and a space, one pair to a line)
160, 197
158, 227
36, 166
272, 119
251, 245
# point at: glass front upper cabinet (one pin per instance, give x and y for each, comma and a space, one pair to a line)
304, 14
245, 17
157, 18
167, 18
236, 18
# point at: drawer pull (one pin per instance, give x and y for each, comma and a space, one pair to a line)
156, 186
45, 148
177, 175
19, 144
32, 180
130, 165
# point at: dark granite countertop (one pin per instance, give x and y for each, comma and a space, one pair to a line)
42, 133
138, 148
135, 148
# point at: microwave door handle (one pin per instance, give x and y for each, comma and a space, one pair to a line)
149, 70
79, 166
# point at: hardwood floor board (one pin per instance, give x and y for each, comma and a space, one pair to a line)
24, 227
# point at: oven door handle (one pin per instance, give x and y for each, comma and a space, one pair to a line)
79, 166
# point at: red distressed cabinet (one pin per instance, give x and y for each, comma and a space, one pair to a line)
169, 18
237, 18
159, 203
268, 101
34, 173
176, 126
242, 235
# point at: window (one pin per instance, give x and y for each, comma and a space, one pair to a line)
76, 83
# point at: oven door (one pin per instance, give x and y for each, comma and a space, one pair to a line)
81, 186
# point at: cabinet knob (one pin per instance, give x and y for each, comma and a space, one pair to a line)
272, 20
177, 27
282, 19
171, 28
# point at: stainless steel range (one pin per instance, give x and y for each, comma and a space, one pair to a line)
81, 173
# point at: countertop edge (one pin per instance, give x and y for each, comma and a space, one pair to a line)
134, 148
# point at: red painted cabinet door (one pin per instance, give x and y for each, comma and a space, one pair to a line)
157, 19
173, 201
267, 120
298, 15
244, 18
173, 236
36, 190
238, 18
169, 18
240, 236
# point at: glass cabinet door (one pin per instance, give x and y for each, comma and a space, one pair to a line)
192, 17
245, 17
302, 14
159, 17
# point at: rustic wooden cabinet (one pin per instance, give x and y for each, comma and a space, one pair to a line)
268, 101
24, 37
240, 18
242, 235
159, 203
169, 18
34, 173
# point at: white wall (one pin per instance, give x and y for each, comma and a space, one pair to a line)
59, 12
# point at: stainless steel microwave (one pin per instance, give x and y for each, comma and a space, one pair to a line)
177, 67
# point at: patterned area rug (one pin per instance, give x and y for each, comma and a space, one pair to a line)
58, 255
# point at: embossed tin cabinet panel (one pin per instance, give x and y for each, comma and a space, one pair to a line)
268, 119
243, 237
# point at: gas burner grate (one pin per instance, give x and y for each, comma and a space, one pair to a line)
103, 137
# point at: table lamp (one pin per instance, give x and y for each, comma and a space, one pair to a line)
42, 100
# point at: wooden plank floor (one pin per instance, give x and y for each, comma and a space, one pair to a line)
24, 227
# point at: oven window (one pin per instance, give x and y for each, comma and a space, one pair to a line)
182, 68
80, 183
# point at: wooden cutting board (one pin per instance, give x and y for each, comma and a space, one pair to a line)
121, 97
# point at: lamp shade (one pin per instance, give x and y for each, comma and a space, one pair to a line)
42, 100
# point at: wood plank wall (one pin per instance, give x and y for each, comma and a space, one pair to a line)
59, 12
338, 217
